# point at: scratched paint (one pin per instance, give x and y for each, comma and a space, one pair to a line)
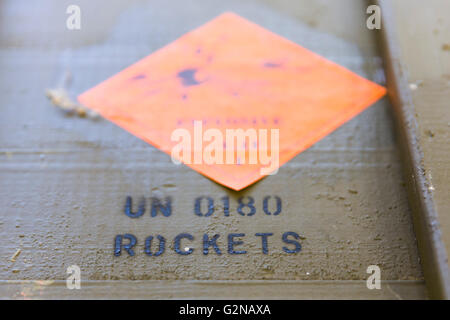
187, 77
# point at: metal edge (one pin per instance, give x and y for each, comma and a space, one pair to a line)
425, 218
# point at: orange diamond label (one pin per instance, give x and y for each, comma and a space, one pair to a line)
191, 96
